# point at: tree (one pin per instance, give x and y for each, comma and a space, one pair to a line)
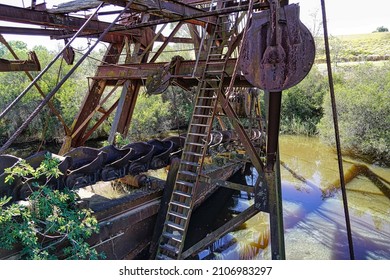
382, 29
66, 101
150, 117
302, 104
363, 103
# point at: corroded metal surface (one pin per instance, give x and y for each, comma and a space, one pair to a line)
288, 62
31, 64
84, 166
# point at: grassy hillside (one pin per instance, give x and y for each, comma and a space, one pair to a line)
371, 47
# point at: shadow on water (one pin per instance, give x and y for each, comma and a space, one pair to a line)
211, 215
313, 213
312, 207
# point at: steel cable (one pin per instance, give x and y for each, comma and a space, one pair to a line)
51, 94
337, 133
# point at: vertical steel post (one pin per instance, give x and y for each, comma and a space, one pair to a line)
272, 175
114, 126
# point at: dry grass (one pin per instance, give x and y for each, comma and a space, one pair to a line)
371, 47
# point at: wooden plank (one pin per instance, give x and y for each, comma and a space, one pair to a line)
75, 6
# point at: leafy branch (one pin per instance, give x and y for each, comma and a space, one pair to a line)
50, 225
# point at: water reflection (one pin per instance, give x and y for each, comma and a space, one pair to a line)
313, 212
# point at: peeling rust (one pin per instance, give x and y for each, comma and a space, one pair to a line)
278, 67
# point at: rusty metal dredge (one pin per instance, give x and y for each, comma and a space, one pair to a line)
236, 43
84, 166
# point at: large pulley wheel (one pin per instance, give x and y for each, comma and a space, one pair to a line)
277, 67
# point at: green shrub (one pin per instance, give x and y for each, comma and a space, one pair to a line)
149, 118
302, 105
363, 103
50, 225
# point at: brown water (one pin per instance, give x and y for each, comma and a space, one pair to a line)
313, 212
314, 219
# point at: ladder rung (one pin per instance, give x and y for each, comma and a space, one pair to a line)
199, 125
208, 97
182, 193
175, 226
195, 144
214, 71
215, 62
215, 54
178, 215
163, 257
180, 204
197, 134
208, 89
184, 183
202, 116
175, 237
193, 154
170, 248
189, 173
191, 163
203, 106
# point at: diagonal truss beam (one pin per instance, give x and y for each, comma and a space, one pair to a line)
212, 237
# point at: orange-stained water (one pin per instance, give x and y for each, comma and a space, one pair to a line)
314, 219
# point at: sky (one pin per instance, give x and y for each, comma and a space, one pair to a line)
344, 17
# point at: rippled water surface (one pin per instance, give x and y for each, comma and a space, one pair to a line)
314, 219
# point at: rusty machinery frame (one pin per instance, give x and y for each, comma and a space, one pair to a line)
139, 31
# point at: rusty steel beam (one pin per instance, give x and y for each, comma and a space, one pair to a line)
43, 18
19, 65
98, 123
116, 37
50, 104
133, 90
214, 236
30, 31
235, 186
59, 34
167, 9
128, 107
184, 71
92, 100
197, 16
189, 19
166, 42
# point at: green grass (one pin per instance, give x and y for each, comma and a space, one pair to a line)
360, 47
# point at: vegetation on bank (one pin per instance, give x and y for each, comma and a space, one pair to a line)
362, 89
363, 103
360, 47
